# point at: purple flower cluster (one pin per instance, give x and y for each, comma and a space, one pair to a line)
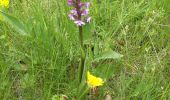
79, 13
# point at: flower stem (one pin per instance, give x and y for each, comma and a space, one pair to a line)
82, 60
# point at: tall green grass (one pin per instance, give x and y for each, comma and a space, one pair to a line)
42, 64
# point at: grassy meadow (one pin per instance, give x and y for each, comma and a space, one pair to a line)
127, 44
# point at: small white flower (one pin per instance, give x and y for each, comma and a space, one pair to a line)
71, 17
79, 23
88, 20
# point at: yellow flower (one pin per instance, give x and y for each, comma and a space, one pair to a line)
4, 3
94, 81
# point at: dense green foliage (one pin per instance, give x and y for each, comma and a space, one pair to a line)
39, 58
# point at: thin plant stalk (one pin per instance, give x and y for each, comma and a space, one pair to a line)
82, 60
79, 14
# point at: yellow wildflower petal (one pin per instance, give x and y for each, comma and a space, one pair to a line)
94, 81
4, 3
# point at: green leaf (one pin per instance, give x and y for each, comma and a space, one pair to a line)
107, 69
14, 22
108, 55
56, 97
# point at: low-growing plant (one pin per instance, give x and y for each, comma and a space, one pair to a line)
84, 50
